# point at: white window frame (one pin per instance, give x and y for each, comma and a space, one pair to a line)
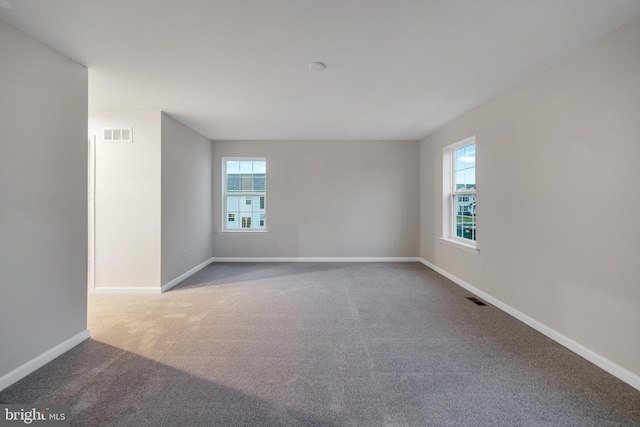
240, 230
448, 193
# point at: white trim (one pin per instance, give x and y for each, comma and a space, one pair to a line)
467, 141
613, 368
183, 276
240, 232
244, 158
41, 360
449, 192
126, 290
316, 259
148, 290
460, 244
91, 214
249, 231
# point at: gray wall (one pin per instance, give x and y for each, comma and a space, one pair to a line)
186, 199
43, 198
328, 199
558, 205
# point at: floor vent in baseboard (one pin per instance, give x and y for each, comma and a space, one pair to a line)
476, 301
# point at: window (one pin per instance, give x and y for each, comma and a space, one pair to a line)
244, 192
459, 204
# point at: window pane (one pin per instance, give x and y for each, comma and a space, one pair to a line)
247, 182
243, 206
246, 166
233, 176
259, 166
232, 220
259, 183
459, 226
464, 205
233, 167
255, 200
233, 203
460, 181
233, 182
466, 227
257, 220
251, 207
470, 179
470, 156
460, 159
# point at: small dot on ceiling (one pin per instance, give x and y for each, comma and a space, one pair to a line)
317, 66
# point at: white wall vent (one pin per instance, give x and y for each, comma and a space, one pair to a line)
117, 135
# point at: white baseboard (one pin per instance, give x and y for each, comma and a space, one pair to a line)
126, 290
593, 357
315, 259
41, 360
182, 277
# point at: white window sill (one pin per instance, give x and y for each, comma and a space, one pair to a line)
244, 232
461, 245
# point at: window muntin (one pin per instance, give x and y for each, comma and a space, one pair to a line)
244, 193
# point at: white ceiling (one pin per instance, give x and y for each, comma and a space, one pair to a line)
237, 69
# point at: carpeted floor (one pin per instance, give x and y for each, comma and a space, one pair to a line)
379, 344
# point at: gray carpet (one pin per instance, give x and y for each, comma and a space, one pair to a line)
320, 344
